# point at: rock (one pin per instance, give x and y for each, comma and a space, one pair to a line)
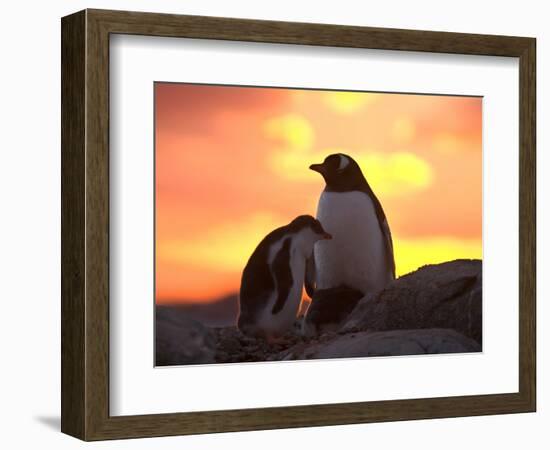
181, 340
222, 356
445, 295
231, 345
385, 343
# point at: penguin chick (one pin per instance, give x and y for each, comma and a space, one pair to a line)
360, 255
329, 309
272, 281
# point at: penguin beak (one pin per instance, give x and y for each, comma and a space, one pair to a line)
317, 168
327, 236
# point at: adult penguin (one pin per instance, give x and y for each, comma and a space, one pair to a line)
360, 254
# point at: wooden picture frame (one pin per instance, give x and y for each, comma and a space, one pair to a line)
85, 224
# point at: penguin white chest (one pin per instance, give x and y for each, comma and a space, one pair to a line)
356, 255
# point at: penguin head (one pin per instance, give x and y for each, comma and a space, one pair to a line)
308, 231
341, 173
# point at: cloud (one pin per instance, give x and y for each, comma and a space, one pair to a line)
182, 108
348, 102
449, 143
294, 130
388, 173
395, 173
403, 130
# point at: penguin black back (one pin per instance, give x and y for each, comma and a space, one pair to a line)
257, 281
283, 275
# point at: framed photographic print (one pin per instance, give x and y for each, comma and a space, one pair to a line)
267, 224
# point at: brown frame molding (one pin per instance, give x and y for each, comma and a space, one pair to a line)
85, 224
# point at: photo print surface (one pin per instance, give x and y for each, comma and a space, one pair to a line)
295, 224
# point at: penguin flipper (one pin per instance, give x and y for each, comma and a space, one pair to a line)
310, 276
384, 227
389, 245
283, 275
257, 285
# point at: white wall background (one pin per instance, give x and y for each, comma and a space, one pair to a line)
30, 223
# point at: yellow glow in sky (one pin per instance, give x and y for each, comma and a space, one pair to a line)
294, 130
238, 240
224, 246
410, 254
403, 130
348, 102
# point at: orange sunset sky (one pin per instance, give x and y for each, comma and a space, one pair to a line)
232, 165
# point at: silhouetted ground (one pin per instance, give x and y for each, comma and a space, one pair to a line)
436, 309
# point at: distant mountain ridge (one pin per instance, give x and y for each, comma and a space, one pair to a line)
219, 313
